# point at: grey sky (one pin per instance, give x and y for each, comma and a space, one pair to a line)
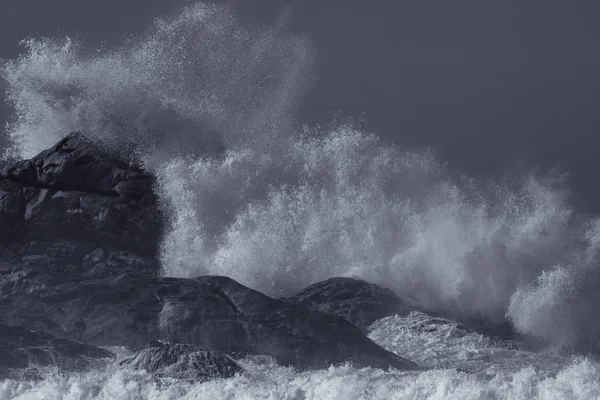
482, 83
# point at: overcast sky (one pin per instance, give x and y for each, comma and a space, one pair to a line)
482, 83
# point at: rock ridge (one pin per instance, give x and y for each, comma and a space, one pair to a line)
79, 242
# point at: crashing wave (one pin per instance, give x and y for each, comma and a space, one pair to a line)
209, 105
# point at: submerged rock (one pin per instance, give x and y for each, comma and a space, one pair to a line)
21, 351
355, 300
183, 361
434, 337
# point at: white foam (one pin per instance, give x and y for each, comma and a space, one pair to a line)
579, 379
439, 343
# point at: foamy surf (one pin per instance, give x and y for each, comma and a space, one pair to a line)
511, 375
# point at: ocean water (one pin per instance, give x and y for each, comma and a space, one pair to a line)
209, 105
485, 371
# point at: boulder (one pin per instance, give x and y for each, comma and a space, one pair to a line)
355, 300
183, 361
364, 303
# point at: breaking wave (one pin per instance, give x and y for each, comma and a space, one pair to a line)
209, 105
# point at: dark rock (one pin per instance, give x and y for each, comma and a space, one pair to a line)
74, 199
355, 300
363, 303
215, 313
106, 261
12, 209
183, 361
22, 350
77, 164
80, 235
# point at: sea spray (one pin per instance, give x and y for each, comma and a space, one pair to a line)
209, 105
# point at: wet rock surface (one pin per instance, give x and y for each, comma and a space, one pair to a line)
214, 313
80, 233
183, 361
355, 300
363, 303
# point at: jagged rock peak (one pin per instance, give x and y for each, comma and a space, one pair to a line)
75, 199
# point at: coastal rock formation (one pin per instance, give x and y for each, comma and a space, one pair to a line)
74, 205
183, 361
363, 303
355, 300
80, 233
215, 313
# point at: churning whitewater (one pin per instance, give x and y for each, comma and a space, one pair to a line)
209, 106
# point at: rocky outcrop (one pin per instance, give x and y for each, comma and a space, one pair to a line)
183, 361
77, 206
355, 300
79, 237
363, 303
24, 350
215, 313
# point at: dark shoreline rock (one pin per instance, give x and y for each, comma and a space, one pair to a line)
79, 238
355, 300
73, 199
215, 313
183, 361
363, 303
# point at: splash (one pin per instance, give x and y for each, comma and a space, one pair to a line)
209, 106
574, 380
170, 92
